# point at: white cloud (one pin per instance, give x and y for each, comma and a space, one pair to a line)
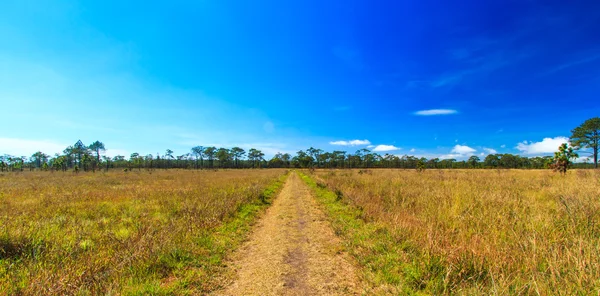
490, 150
459, 151
381, 148
450, 156
547, 145
351, 143
462, 150
413, 150
371, 146
24, 147
436, 112
502, 146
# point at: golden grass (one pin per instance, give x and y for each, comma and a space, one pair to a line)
123, 233
475, 231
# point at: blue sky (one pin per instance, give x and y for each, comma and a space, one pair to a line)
426, 78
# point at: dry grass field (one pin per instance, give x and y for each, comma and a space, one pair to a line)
171, 232
164, 232
468, 231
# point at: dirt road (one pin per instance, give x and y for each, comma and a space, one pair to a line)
293, 251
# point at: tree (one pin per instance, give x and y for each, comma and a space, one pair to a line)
97, 147
587, 136
210, 154
421, 164
315, 153
86, 159
286, 158
562, 158
106, 161
135, 160
39, 158
223, 155
473, 160
79, 149
277, 161
340, 157
255, 155
303, 159
198, 151
169, 156
492, 160
238, 153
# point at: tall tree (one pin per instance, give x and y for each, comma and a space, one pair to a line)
492, 160
198, 152
97, 147
255, 155
315, 153
473, 160
79, 149
134, 159
587, 136
238, 153
286, 158
210, 154
39, 158
223, 155
169, 156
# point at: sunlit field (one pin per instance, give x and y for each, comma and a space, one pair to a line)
124, 232
470, 231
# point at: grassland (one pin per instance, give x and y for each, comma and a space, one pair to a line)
468, 231
164, 232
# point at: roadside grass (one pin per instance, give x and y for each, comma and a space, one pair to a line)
468, 232
131, 233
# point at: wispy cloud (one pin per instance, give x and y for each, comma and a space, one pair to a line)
547, 145
451, 79
573, 63
383, 148
351, 143
431, 112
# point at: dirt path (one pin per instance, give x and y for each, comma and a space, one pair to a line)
293, 251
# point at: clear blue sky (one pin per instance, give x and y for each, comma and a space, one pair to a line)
287, 75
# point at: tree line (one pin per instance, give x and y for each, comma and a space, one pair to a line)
89, 158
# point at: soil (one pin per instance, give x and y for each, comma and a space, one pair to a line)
293, 251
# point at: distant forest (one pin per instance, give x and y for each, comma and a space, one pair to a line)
78, 157
89, 158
